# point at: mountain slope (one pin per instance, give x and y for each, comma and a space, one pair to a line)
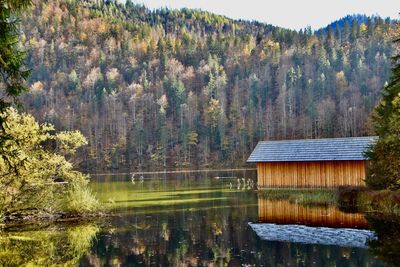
190, 88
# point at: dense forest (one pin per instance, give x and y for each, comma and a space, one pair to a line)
187, 88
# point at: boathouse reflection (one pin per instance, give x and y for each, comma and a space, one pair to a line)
285, 212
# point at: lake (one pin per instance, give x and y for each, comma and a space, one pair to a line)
204, 219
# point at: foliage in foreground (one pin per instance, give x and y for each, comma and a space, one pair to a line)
307, 197
384, 171
35, 173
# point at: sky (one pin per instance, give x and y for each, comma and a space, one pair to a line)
291, 14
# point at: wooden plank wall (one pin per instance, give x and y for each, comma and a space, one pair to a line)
310, 174
284, 212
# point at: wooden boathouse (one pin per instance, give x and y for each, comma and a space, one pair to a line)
314, 163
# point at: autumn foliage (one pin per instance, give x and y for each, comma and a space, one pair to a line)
187, 88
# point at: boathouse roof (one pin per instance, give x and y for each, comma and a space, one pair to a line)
327, 149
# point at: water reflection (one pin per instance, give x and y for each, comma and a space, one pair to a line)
179, 238
387, 244
194, 220
285, 212
62, 244
281, 220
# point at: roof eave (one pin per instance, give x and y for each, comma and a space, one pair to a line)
308, 160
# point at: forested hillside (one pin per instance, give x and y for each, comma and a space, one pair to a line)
191, 89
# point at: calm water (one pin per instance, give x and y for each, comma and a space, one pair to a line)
198, 219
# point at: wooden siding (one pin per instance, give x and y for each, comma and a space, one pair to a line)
310, 174
284, 212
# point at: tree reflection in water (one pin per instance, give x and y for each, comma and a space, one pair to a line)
387, 245
213, 237
185, 221
55, 245
195, 222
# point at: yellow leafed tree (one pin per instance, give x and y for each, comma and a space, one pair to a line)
34, 171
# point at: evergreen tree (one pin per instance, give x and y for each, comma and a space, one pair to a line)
384, 170
12, 58
12, 66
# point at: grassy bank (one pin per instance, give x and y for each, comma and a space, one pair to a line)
76, 203
309, 197
367, 200
64, 202
39, 217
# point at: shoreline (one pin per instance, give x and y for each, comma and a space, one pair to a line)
21, 219
367, 200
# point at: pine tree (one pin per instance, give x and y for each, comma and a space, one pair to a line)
13, 72
384, 170
12, 63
